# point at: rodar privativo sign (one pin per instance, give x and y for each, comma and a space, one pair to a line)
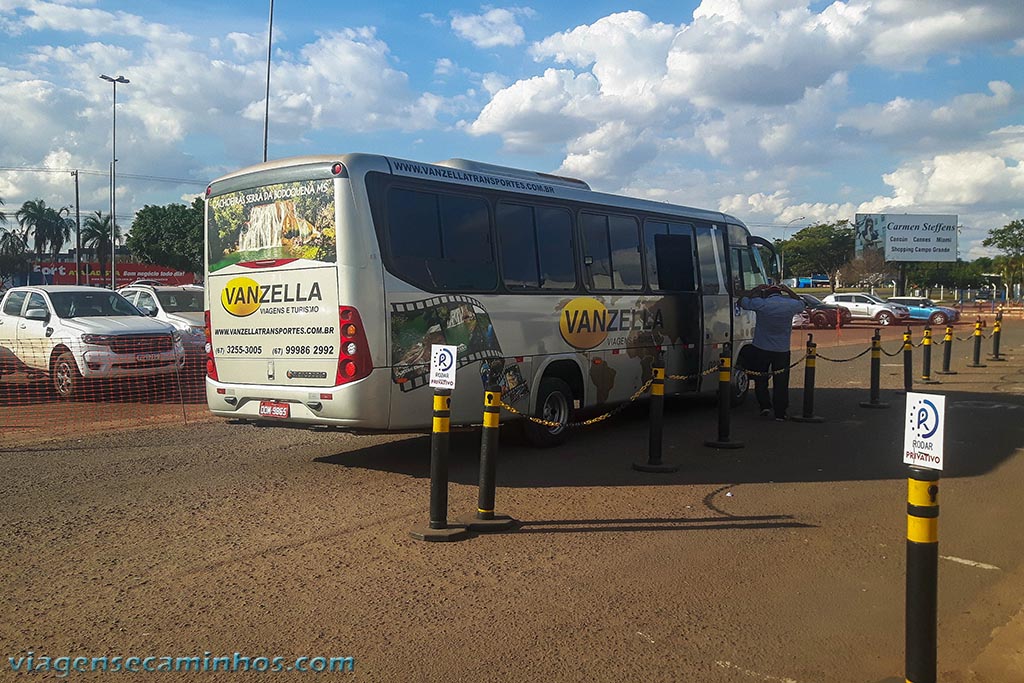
908, 237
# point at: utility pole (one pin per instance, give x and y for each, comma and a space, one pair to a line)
78, 234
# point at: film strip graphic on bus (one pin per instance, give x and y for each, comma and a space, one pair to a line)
456, 320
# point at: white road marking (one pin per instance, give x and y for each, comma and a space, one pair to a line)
970, 563
754, 674
645, 636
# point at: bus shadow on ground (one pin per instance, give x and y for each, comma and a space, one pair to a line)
852, 444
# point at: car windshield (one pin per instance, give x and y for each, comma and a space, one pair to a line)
811, 300
181, 301
873, 298
85, 304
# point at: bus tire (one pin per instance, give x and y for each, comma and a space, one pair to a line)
740, 385
554, 403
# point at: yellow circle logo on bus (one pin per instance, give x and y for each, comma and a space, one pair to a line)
241, 297
584, 322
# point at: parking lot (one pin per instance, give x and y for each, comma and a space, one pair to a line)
782, 561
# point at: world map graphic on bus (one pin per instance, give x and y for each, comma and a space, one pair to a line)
285, 220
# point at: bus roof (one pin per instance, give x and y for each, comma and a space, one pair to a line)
480, 174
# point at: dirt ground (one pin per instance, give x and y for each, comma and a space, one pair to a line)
781, 561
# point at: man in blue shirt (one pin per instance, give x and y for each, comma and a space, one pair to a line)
774, 306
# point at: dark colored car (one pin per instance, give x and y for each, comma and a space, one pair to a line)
822, 314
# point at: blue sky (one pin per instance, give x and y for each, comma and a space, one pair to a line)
780, 112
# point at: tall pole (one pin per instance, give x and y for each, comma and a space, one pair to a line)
113, 179
266, 110
78, 234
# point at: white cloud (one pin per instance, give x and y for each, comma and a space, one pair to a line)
921, 122
493, 28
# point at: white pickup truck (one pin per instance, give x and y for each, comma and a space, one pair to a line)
70, 333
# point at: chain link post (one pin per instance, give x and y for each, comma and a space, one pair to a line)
922, 575
997, 327
724, 391
485, 519
809, 363
947, 352
926, 357
438, 529
657, 422
876, 372
977, 346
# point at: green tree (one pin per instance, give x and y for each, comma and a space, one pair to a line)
96, 237
1009, 239
48, 226
170, 235
822, 248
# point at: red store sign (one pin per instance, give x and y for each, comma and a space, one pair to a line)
53, 273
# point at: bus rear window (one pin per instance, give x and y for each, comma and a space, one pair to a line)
284, 220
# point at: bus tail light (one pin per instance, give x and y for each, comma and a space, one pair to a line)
211, 364
354, 361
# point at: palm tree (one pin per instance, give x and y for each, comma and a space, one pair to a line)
3, 216
96, 236
46, 224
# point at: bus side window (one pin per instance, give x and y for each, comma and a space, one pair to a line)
670, 262
745, 274
518, 238
441, 241
611, 252
708, 245
554, 235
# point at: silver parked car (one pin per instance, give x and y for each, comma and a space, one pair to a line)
869, 307
71, 333
181, 307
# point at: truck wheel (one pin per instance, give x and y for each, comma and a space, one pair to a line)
67, 380
554, 403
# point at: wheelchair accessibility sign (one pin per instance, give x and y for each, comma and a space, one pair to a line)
923, 435
443, 366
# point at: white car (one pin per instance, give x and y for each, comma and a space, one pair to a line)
182, 307
870, 307
71, 333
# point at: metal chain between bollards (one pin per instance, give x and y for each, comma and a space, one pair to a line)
753, 373
844, 360
585, 423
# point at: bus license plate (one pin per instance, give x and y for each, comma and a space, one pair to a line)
274, 409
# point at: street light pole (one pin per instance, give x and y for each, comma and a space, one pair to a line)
113, 176
78, 233
266, 109
782, 251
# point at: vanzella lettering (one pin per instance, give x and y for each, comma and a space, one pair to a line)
280, 293
614, 320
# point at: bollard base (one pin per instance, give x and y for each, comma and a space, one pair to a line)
945, 372
714, 443
496, 523
876, 404
929, 381
976, 365
816, 419
440, 535
658, 468
993, 358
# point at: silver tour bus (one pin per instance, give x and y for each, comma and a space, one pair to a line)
329, 278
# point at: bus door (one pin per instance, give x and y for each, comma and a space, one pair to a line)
716, 307
747, 273
672, 270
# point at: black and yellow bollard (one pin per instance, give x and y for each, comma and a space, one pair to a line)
926, 357
977, 346
657, 423
947, 352
809, 362
876, 372
724, 391
438, 529
997, 327
908, 362
922, 575
485, 519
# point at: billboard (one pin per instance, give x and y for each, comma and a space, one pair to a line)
63, 273
907, 237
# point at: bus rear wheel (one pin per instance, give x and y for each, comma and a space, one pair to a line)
554, 404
